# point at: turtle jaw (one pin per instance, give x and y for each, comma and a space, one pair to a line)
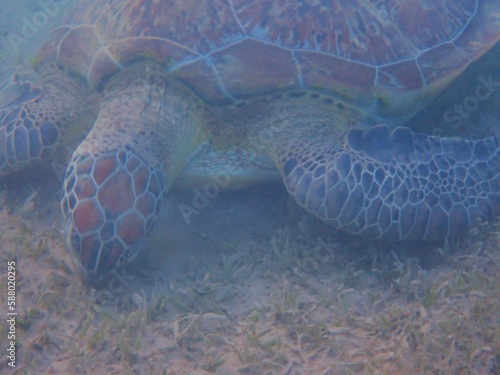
90, 269
111, 202
99, 275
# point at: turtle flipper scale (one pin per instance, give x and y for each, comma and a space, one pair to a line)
400, 185
34, 123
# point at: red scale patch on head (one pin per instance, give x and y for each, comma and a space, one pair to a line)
145, 205
116, 194
85, 166
133, 163
130, 228
104, 166
141, 180
85, 187
87, 216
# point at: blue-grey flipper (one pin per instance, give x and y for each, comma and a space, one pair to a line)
399, 185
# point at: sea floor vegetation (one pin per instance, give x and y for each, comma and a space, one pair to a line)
258, 294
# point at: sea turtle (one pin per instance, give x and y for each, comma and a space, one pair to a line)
241, 91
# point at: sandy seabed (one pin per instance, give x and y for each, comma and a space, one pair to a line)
272, 291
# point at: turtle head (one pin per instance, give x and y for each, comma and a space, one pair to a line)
111, 201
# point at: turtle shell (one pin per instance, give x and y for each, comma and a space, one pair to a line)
386, 57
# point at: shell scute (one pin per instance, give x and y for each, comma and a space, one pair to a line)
348, 79
78, 48
132, 49
387, 57
266, 68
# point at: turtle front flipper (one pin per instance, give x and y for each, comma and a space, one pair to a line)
399, 185
145, 132
35, 122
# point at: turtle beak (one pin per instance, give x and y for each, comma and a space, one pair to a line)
86, 275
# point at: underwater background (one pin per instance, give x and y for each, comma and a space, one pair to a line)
253, 284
